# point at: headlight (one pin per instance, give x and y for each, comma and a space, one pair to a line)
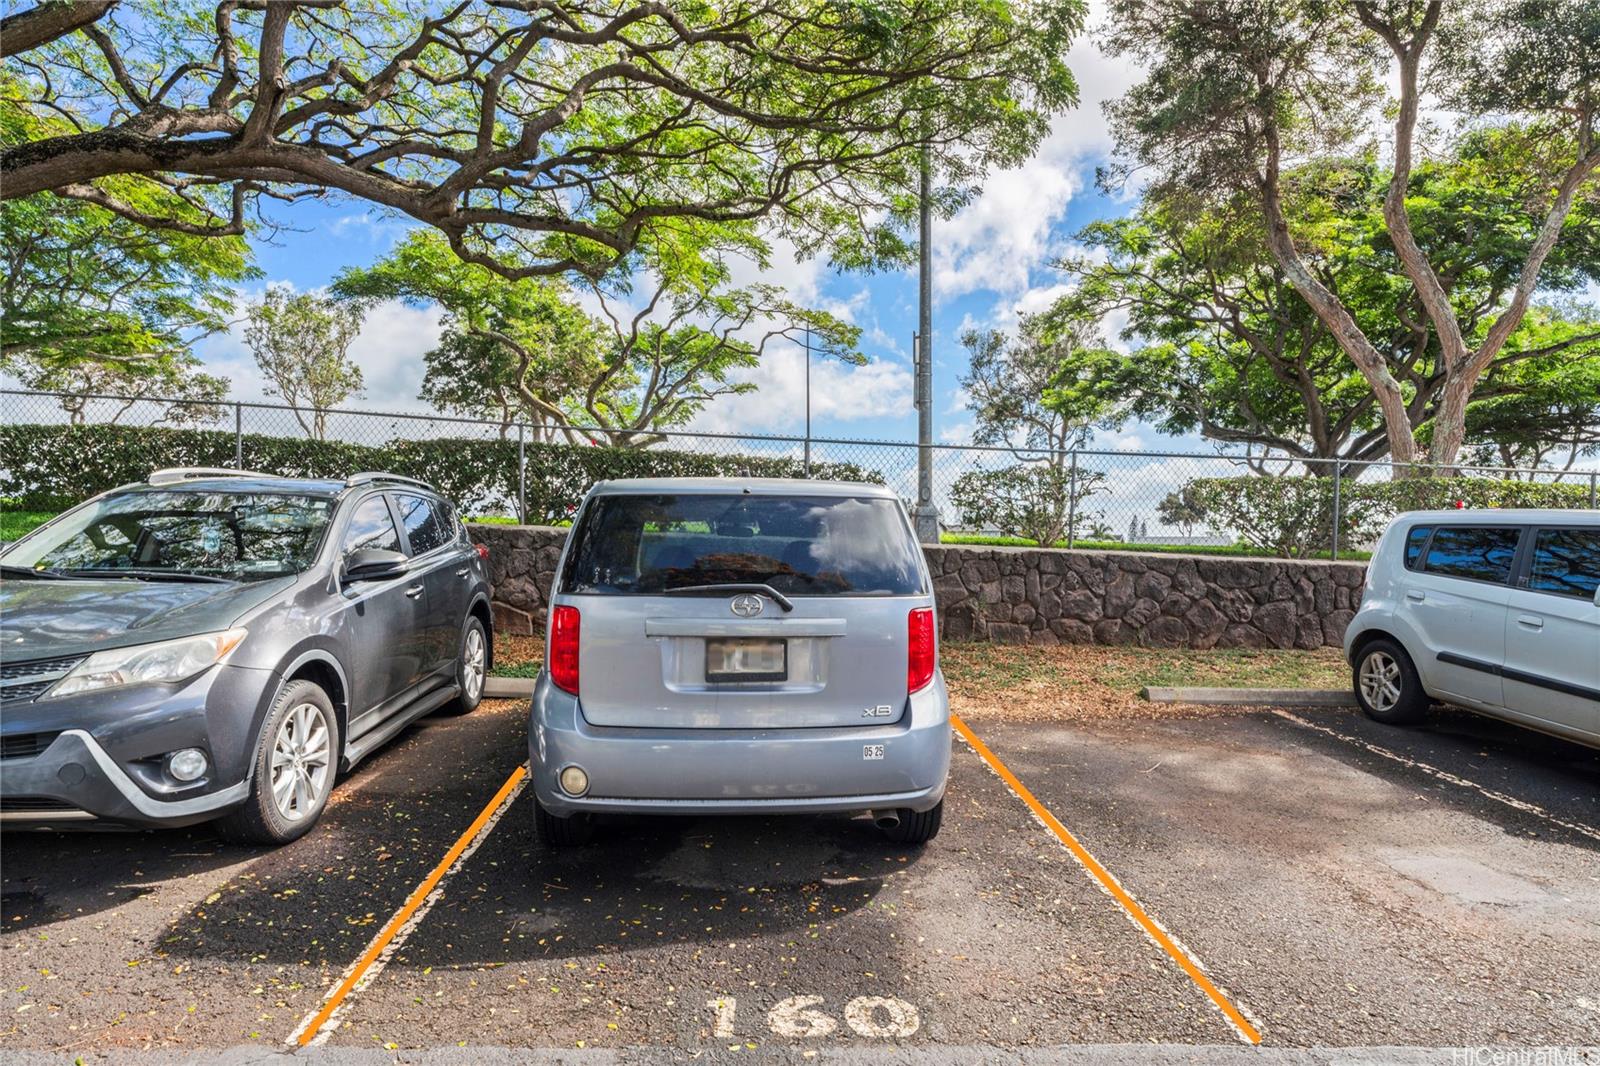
169, 661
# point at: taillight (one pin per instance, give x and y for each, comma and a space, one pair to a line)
922, 649
563, 652
483, 551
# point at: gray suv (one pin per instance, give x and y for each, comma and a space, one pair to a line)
218, 644
722, 646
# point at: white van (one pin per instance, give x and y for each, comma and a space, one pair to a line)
1497, 611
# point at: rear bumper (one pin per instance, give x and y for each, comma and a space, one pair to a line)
726, 771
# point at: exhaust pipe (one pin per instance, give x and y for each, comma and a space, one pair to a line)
886, 819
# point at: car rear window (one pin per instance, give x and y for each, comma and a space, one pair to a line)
800, 545
1481, 553
1566, 561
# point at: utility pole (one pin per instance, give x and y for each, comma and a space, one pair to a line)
925, 516
808, 401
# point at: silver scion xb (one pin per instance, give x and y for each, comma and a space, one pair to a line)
740, 646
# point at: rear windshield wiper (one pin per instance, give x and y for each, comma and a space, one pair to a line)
735, 586
149, 575
26, 572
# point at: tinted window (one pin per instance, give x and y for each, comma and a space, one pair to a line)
371, 527
801, 545
1415, 539
425, 526
1475, 552
234, 535
1566, 561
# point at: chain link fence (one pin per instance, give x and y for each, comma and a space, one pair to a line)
56, 449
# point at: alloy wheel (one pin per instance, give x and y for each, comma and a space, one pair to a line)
474, 663
301, 762
1380, 681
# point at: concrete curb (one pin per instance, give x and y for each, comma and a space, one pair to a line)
1253, 697
507, 688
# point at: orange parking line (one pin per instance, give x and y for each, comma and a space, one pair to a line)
403, 915
1109, 883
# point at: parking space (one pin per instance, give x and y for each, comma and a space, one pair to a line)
1338, 885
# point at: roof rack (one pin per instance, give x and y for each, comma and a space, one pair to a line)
174, 474
366, 476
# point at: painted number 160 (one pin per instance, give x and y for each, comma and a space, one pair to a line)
874, 1017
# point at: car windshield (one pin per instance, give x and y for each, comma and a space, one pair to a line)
236, 536
798, 545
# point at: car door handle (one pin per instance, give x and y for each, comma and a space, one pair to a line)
464, 571
1530, 620
414, 591
1415, 595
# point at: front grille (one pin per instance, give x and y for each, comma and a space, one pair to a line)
28, 668
25, 745
33, 805
22, 693
23, 681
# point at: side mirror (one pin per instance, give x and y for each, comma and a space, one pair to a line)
374, 564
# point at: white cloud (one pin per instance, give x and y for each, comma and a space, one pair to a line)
956, 433
838, 392
388, 350
1009, 231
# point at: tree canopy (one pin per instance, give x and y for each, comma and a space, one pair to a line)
1239, 93
538, 138
301, 342
525, 351
1232, 351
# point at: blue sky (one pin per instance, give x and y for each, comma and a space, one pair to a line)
991, 261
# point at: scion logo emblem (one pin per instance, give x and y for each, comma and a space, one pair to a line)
746, 605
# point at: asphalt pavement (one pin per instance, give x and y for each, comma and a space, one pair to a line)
1356, 894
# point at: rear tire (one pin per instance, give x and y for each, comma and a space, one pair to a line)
472, 668
300, 738
917, 827
1386, 684
570, 832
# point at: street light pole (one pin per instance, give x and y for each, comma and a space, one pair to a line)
925, 516
808, 401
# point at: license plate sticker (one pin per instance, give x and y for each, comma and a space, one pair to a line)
747, 660
872, 752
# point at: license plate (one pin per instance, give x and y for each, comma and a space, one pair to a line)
747, 660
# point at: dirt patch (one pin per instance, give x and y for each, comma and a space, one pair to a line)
517, 656
1077, 682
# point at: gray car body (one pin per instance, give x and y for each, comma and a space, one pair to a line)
103, 760
652, 740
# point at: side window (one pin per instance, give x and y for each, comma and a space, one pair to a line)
1566, 561
371, 527
425, 527
1475, 552
1416, 537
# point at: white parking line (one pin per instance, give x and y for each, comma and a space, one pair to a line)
1444, 775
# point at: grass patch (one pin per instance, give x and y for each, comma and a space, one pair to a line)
14, 524
1238, 550
1084, 681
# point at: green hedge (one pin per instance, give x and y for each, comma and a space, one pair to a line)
1293, 516
51, 467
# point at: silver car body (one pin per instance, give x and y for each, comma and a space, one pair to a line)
1526, 649
839, 733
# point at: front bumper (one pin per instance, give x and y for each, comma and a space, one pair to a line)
727, 771
99, 756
